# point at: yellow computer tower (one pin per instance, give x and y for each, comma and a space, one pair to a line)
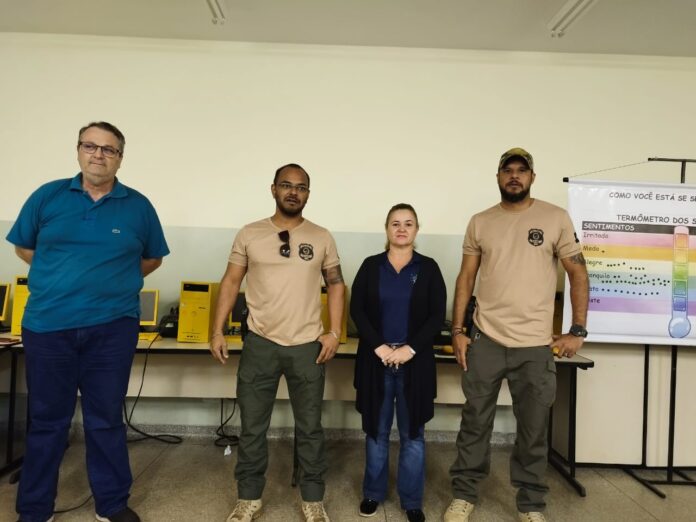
5, 289
21, 294
325, 314
196, 311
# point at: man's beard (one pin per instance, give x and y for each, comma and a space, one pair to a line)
513, 197
289, 212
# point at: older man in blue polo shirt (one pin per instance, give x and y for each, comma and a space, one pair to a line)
89, 242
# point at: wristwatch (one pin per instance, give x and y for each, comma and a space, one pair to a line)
578, 330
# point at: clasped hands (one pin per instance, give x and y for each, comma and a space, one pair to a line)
394, 356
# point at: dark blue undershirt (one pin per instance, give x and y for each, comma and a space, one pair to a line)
395, 298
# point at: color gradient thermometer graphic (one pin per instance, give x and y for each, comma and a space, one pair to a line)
679, 325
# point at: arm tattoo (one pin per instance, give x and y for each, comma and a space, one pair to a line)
578, 259
333, 275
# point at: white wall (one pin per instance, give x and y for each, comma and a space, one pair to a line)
207, 124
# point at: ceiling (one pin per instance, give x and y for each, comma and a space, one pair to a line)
641, 27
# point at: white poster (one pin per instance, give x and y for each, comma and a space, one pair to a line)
639, 241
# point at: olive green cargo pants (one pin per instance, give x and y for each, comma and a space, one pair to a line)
531, 375
261, 365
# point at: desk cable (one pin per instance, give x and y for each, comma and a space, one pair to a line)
165, 438
68, 510
225, 439
91, 496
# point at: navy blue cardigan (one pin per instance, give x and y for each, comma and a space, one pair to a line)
426, 318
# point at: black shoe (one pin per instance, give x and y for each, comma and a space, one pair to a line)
125, 515
415, 515
368, 507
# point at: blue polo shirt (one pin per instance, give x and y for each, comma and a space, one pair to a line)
86, 265
395, 298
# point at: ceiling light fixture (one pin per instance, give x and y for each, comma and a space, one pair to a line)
217, 9
569, 14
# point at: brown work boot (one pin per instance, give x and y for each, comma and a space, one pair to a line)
246, 511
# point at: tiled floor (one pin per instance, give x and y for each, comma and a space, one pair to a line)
193, 482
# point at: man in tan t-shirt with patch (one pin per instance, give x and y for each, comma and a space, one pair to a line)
284, 258
514, 247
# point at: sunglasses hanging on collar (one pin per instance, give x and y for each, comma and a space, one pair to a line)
284, 236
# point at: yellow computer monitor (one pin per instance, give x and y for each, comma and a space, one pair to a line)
149, 304
4, 300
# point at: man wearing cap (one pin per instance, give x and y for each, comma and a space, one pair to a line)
514, 247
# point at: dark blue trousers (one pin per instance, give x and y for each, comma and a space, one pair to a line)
95, 360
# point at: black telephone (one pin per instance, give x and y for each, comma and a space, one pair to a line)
169, 324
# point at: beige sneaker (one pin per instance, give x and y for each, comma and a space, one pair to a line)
315, 512
532, 516
458, 511
246, 511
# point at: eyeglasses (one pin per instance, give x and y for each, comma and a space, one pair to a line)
90, 148
285, 247
284, 185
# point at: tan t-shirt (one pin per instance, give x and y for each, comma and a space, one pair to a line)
284, 294
518, 271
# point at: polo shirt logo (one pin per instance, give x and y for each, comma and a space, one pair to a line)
535, 237
306, 251
115, 231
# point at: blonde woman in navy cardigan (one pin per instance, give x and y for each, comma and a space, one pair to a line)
398, 304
